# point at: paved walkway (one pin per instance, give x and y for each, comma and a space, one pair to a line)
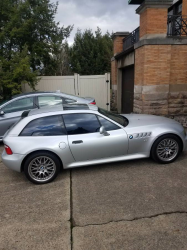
131, 205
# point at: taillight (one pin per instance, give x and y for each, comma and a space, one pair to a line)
8, 150
94, 103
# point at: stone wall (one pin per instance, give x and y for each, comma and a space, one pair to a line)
113, 100
166, 100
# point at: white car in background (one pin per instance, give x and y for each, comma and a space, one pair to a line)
11, 110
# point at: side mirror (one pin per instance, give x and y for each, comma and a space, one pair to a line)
2, 113
103, 131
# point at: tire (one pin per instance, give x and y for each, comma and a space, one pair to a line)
166, 149
41, 167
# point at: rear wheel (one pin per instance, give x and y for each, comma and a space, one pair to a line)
41, 167
166, 149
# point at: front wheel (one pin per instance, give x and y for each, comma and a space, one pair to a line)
41, 167
166, 149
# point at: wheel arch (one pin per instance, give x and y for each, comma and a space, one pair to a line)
37, 151
182, 144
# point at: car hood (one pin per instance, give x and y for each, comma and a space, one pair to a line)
136, 120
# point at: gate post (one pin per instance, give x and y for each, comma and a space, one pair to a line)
75, 83
107, 79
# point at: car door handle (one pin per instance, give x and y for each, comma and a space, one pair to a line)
77, 142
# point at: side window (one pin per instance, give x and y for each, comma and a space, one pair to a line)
49, 100
19, 105
107, 124
81, 123
67, 100
45, 126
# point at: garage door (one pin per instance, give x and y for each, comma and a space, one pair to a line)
127, 89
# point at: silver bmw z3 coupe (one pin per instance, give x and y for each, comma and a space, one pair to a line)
45, 140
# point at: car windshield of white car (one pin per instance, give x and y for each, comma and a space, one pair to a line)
115, 117
3, 102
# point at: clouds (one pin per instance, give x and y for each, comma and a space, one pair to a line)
111, 15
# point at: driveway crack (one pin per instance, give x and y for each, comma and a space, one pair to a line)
134, 219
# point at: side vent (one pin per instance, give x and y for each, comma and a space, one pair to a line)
142, 135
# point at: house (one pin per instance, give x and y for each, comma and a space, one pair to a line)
149, 66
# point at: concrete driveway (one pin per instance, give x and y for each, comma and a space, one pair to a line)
131, 205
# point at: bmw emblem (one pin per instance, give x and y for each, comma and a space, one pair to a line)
130, 137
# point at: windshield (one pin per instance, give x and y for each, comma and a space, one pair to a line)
115, 117
3, 102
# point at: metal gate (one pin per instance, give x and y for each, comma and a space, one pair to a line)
97, 86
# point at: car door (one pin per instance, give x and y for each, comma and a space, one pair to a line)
86, 142
12, 112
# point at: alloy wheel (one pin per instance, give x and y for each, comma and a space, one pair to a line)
167, 149
42, 169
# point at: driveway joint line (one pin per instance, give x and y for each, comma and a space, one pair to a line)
134, 219
71, 212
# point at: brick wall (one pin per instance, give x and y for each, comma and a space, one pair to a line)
161, 64
152, 63
118, 44
153, 21
178, 64
139, 66
184, 7
114, 72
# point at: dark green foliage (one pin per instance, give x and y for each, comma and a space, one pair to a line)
91, 55
29, 41
16, 71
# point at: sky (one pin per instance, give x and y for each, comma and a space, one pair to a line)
111, 15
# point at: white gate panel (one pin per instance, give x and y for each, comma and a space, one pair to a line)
65, 84
94, 86
97, 86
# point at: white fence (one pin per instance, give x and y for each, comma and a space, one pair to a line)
97, 86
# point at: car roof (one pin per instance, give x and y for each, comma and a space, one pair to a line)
33, 93
65, 107
56, 93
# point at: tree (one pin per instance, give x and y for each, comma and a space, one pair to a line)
63, 61
29, 25
16, 71
91, 55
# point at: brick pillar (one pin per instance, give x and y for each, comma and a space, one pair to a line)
184, 7
153, 18
117, 48
160, 65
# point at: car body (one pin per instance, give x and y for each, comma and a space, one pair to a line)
81, 135
10, 111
